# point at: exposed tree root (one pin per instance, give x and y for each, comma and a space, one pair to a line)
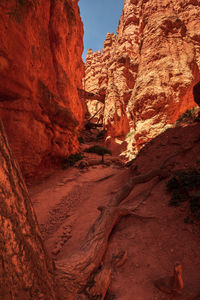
78, 273
75, 271
82, 275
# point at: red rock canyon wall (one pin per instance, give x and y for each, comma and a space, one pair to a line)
147, 70
40, 71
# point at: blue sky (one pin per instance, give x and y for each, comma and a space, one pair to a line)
99, 17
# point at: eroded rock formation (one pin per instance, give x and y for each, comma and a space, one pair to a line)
26, 271
147, 70
40, 71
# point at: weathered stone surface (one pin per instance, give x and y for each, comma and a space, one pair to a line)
147, 70
40, 71
26, 271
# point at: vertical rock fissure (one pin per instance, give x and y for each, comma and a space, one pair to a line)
27, 271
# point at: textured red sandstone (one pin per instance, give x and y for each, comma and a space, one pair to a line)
40, 71
147, 70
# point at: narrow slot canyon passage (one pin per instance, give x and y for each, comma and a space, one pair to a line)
99, 150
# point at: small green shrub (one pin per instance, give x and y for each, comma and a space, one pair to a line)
100, 150
173, 183
184, 186
184, 180
188, 115
72, 159
188, 220
177, 198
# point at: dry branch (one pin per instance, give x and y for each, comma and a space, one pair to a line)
79, 273
76, 271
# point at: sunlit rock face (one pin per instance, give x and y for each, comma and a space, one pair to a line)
40, 71
147, 70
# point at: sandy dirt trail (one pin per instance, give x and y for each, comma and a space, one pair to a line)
66, 205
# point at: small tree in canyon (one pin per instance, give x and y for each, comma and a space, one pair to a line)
100, 150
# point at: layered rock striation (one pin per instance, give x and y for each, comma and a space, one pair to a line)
41, 70
147, 70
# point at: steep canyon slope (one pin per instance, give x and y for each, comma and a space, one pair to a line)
146, 72
40, 70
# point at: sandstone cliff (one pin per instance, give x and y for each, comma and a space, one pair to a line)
147, 70
40, 71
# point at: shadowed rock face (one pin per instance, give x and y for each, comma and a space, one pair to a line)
147, 70
196, 93
40, 71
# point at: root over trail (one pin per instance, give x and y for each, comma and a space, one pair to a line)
82, 275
